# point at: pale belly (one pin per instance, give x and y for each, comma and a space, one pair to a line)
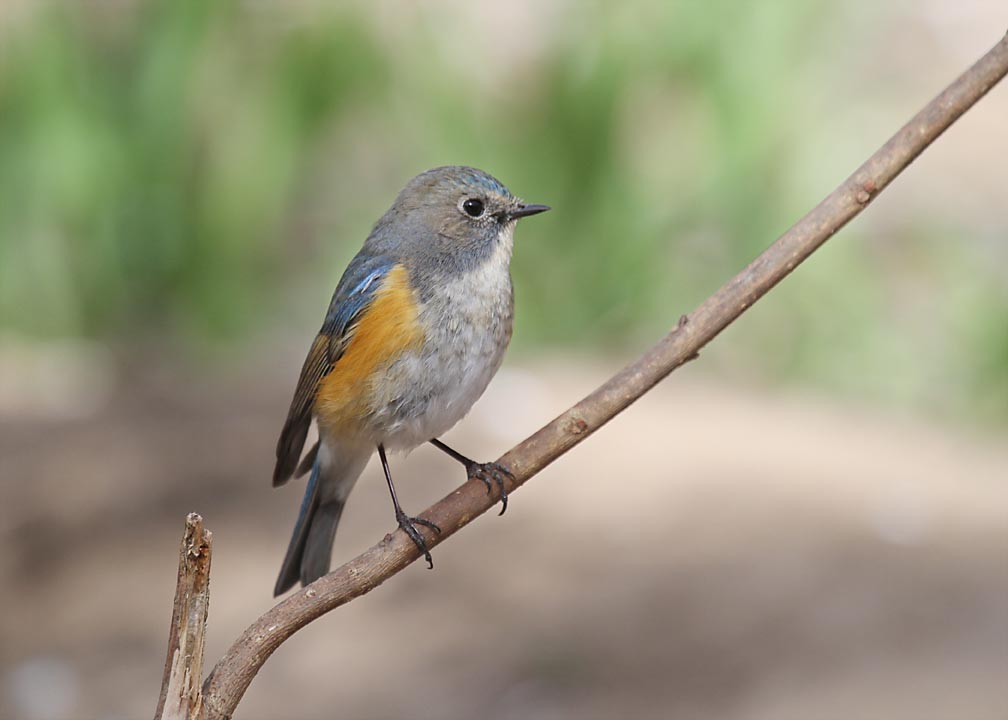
427, 391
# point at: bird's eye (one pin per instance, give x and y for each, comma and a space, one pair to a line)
473, 207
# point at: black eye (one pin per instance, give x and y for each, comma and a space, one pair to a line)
473, 207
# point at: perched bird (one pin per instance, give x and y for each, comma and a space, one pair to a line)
416, 329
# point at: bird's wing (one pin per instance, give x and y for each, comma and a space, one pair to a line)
354, 293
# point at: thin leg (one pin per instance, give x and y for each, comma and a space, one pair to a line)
407, 523
489, 474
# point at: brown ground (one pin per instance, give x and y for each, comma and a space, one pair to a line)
714, 553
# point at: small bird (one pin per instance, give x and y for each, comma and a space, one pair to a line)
416, 328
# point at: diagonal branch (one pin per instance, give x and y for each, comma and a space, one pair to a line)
233, 674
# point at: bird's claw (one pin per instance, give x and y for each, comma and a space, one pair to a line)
491, 474
408, 525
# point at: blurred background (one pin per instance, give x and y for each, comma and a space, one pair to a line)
811, 521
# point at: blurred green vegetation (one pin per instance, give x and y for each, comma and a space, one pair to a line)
197, 170
146, 169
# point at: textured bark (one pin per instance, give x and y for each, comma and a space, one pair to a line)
181, 693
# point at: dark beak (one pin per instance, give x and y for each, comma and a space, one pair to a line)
526, 210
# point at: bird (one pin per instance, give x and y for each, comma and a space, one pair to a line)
416, 328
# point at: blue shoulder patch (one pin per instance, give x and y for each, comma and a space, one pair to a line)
355, 290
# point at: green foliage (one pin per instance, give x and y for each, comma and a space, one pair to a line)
198, 169
146, 169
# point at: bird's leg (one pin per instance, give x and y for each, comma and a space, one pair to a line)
489, 473
407, 523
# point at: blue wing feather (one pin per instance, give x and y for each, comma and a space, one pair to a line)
363, 278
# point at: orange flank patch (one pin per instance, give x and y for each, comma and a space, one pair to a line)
385, 329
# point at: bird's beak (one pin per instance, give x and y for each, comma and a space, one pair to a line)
526, 210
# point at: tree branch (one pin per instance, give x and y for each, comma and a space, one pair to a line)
233, 674
180, 689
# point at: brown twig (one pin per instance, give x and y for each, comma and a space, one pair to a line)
180, 687
232, 675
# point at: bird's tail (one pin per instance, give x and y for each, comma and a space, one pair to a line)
332, 478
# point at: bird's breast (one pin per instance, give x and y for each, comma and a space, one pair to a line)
467, 323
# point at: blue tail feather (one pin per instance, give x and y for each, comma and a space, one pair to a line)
291, 570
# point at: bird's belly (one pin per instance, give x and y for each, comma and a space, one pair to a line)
429, 389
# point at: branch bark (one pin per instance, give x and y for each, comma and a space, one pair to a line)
232, 675
180, 686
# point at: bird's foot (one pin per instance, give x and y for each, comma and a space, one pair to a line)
409, 526
490, 474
